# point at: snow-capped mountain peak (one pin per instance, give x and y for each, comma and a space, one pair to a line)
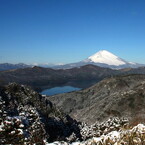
106, 57
102, 58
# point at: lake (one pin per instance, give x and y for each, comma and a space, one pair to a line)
59, 90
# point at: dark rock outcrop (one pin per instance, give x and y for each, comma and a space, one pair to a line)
27, 116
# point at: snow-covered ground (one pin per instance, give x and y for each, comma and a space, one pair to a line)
134, 136
106, 57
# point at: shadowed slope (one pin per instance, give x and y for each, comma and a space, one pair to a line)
117, 96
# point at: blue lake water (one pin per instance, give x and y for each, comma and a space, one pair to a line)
59, 90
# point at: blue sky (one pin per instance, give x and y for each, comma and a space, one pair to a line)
54, 31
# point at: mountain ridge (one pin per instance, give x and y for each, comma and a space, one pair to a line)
103, 58
41, 78
106, 57
116, 96
10, 66
50, 77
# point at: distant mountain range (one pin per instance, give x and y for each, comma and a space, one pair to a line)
102, 58
9, 66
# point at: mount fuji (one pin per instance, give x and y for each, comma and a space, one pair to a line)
103, 58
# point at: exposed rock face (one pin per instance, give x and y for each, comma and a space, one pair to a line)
117, 96
26, 116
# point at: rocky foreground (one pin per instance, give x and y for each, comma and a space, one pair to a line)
26, 117
134, 136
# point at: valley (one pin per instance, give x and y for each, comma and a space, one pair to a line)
113, 105
59, 90
122, 96
38, 77
45, 78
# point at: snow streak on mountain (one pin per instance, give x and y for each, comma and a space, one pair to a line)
106, 57
102, 58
